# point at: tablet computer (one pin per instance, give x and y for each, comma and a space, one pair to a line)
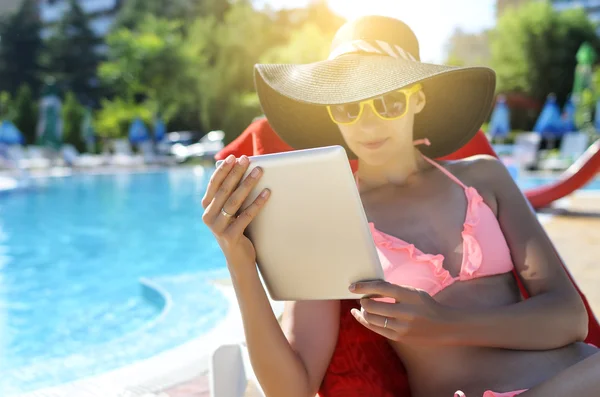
312, 237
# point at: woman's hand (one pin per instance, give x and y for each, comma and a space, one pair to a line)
410, 315
222, 201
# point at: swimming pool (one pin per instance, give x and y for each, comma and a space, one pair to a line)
528, 182
72, 252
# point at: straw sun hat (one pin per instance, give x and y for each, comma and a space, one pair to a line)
369, 57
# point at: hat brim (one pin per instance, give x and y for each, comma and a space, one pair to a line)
292, 97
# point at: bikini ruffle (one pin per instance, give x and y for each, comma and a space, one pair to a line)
435, 261
472, 256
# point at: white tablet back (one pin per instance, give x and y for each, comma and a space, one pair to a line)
312, 237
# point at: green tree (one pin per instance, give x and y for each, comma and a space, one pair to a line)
71, 57
20, 46
72, 116
306, 44
26, 114
225, 55
134, 11
7, 111
533, 49
114, 117
150, 64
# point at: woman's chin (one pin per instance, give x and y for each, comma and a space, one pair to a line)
374, 159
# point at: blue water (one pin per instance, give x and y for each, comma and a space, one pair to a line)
531, 182
72, 252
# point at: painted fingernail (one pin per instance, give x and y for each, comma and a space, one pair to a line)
244, 160
230, 159
352, 287
255, 172
354, 312
265, 193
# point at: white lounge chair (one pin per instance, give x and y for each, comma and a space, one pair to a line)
230, 371
525, 151
123, 155
31, 158
73, 158
572, 146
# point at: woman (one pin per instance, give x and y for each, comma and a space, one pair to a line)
450, 307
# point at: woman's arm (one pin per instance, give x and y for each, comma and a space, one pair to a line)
554, 315
290, 362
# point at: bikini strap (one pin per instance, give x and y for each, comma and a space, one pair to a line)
438, 166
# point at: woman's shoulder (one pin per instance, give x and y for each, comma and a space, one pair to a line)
487, 174
481, 168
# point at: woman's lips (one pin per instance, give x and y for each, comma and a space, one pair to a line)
374, 144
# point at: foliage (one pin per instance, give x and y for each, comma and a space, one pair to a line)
71, 57
72, 116
26, 114
307, 44
20, 46
7, 111
150, 63
191, 61
115, 116
225, 55
134, 11
533, 49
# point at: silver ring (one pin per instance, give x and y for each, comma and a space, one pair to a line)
385, 323
226, 214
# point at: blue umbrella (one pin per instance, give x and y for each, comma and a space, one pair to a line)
549, 123
568, 117
160, 130
137, 131
10, 134
499, 126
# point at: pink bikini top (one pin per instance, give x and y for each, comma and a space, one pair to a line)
485, 251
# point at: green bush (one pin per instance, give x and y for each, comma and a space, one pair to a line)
7, 111
114, 118
26, 114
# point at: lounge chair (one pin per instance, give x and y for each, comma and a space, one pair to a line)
572, 146
255, 139
123, 155
73, 158
32, 157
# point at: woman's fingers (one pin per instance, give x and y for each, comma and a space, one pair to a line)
228, 185
217, 179
237, 227
237, 198
385, 309
376, 323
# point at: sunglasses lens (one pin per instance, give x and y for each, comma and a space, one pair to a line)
345, 113
391, 105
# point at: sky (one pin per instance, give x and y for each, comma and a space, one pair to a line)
433, 21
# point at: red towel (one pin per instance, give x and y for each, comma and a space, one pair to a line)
259, 138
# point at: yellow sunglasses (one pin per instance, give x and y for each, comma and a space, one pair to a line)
390, 106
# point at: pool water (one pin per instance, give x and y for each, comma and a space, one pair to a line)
529, 182
72, 252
